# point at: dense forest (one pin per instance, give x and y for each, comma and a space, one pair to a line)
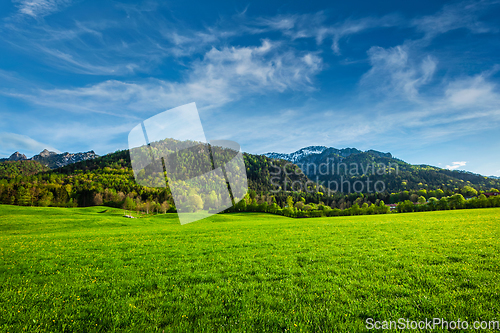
395, 174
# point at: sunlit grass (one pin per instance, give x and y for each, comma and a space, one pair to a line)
90, 269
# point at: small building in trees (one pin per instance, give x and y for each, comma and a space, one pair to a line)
392, 206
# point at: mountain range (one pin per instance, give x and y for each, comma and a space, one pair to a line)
310, 163
325, 164
52, 159
304, 153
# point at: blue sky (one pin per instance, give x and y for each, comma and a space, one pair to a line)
418, 79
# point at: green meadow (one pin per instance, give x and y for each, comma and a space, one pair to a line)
92, 270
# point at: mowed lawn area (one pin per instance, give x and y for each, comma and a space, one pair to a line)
92, 270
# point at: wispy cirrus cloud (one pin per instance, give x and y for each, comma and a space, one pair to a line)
40, 8
224, 75
455, 16
351, 27
83, 48
128, 45
396, 72
401, 85
476, 91
315, 26
403, 78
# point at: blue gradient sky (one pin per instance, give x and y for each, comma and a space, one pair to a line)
418, 79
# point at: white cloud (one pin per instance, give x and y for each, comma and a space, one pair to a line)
266, 67
396, 72
11, 142
351, 27
454, 16
263, 132
81, 66
40, 8
90, 46
314, 26
223, 75
456, 165
472, 91
187, 42
437, 114
99, 47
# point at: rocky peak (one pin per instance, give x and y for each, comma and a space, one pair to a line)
46, 153
52, 159
17, 156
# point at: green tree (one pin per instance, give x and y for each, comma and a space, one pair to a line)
165, 206
405, 206
307, 208
241, 206
195, 202
382, 208
422, 192
45, 199
23, 197
355, 209
456, 201
433, 203
211, 200
469, 191
129, 204
71, 203
443, 203
299, 205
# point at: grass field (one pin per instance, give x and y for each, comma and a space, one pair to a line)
91, 270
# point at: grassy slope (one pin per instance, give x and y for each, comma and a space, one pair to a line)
81, 270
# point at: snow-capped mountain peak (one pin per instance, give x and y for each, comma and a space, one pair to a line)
299, 154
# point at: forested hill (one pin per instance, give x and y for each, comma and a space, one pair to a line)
110, 180
337, 166
258, 169
13, 169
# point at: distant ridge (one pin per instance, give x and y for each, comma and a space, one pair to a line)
300, 154
52, 159
321, 164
